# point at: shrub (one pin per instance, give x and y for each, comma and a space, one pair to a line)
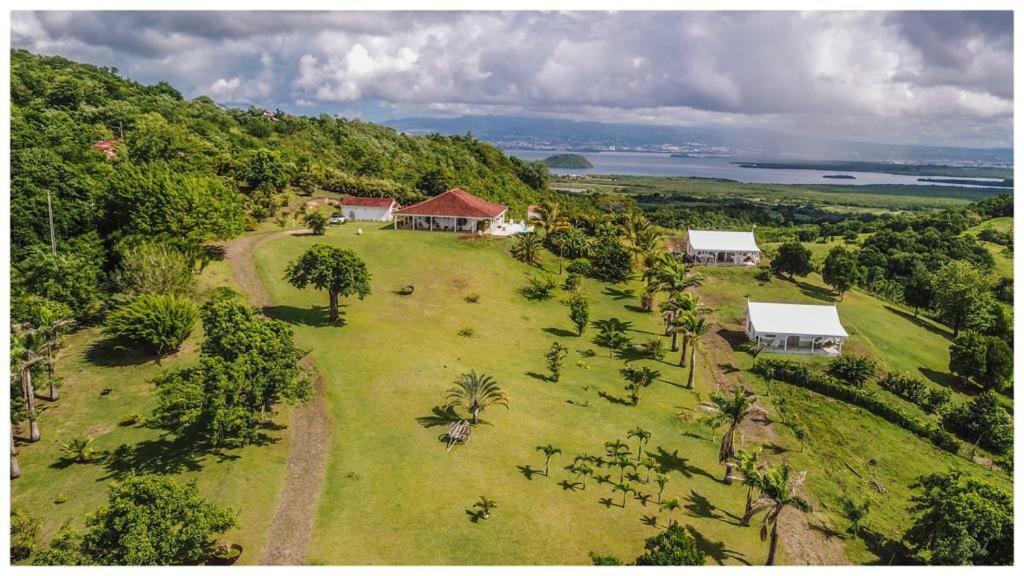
937, 400
572, 282
653, 348
317, 222
472, 298
611, 261
539, 287
673, 547
579, 266
854, 370
467, 332
908, 387
154, 269
158, 323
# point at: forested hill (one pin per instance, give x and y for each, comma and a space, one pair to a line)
191, 171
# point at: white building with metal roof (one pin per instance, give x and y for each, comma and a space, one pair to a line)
723, 248
795, 328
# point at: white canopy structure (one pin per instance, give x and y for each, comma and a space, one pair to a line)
795, 328
719, 247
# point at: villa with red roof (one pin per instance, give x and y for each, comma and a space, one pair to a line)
454, 211
372, 209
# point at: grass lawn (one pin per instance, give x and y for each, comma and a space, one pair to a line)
394, 496
102, 388
1002, 256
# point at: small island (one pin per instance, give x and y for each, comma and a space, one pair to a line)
839, 176
568, 161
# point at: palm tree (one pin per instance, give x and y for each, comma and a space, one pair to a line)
855, 513
747, 464
778, 491
28, 359
661, 480
612, 335
15, 467
625, 488
527, 248
78, 450
642, 436
639, 378
678, 304
732, 410
670, 506
583, 471
549, 218
616, 448
485, 505
548, 451
695, 328
475, 392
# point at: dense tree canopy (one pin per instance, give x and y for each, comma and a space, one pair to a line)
338, 271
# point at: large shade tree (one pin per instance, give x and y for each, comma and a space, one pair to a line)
338, 271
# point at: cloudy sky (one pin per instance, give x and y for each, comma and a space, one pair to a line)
906, 77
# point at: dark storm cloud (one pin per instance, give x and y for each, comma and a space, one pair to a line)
917, 77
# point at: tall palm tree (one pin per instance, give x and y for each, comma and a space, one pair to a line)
623, 461
475, 392
625, 488
670, 506
677, 304
695, 328
642, 437
778, 490
732, 410
548, 451
15, 467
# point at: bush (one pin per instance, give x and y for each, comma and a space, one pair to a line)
854, 370
800, 375
539, 287
317, 222
154, 269
673, 547
982, 420
472, 298
467, 332
937, 400
158, 323
611, 261
580, 266
572, 282
908, 387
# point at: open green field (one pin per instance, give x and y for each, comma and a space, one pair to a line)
1002, 256
103, 387
394, 496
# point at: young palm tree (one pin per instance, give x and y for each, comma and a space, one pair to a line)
778, 490
527, 248
661, 480
15, 467
79, 450
639, 378
625, 488
732, 410
583, 471
475, 392
855, 513
485, 505
548, 451
612, 336
695, 328
747, 464
616, 448
670, 506
642, 437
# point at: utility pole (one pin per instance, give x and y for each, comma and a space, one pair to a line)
53, 237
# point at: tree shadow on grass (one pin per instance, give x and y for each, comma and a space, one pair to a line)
649, 520
828, 532
109, 353
734, 338
475, 516
570, 486
313, 316
920, 322
669, 462
608, 502
816, 292
700, 507
889, 552
614, 399
636, 309
439, 416
717, 550
949, 381
538, 376
619, 293
560, 332
528, 471
164, 455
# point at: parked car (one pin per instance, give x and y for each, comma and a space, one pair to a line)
337, 219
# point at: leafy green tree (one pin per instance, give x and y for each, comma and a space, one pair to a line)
24, 530
158, 323
435, 181
64, 549
919, 290
65, 278
339, 271
984, 421
549, 451
852, 369
475, 392
612, 335
527, 248
986, 359
959, 294
793, 259
154, 268
556, 358
605, 560
579, 312
960, 521
317, 222
611, 261
842, 270
264, 169
151, 521
672, 547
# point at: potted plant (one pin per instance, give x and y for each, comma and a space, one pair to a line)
225, 554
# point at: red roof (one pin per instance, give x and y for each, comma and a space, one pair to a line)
107, 147
366, 202
455, 203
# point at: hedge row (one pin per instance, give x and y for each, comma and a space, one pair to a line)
800, 375
932, 400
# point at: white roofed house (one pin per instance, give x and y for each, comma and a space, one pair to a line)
722, 248
795, 328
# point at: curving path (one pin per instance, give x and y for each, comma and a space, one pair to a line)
292, 526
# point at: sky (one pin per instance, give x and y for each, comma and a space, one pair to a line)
931, 78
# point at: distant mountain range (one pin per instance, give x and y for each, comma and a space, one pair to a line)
515, 132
